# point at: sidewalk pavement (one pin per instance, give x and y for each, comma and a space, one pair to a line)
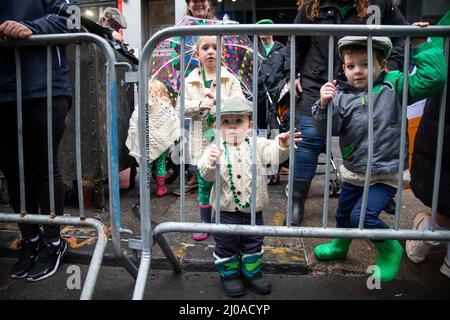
292, 255
282, 255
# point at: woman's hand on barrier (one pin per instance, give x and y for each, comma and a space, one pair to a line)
418, 41
298, 87
14, 30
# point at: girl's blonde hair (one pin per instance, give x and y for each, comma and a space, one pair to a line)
223, 48
209, 15
312, 8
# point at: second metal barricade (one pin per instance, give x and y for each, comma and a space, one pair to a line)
332, 32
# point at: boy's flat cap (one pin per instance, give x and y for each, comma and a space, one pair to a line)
382, 43
115, 15
235, 105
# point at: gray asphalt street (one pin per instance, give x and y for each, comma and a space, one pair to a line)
114, 283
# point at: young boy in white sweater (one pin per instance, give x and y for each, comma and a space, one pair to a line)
200, 104
240, 257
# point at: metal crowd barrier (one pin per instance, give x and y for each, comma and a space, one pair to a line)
330, 31
113, 169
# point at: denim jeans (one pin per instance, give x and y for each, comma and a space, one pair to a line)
349, 206
307, 153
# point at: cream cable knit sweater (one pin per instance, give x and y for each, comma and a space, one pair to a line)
268, 152
163, 128
195, 92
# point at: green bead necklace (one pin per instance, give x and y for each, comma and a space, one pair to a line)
230, 173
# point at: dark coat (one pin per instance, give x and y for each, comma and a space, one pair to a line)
271, 72
424, 155
271, 77
312, 51
41, 17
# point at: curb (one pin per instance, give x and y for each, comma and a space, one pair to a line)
196, 257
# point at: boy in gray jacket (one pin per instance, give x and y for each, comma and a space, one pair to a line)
350, 119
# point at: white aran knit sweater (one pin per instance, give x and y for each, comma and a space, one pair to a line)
268, 152
163, 129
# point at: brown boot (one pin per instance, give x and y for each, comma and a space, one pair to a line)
190, 187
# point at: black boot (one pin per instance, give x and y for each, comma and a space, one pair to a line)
390, 208
299, 195
251, 274
228, 269
205, 213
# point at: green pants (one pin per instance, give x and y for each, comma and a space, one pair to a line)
159, 164
204, 190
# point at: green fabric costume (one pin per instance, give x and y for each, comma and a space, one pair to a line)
159, 164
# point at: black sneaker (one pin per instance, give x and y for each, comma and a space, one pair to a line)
27, 257
48, 260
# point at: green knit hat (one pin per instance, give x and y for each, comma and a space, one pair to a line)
265, 21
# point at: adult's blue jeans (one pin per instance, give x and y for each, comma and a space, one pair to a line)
349, 206
307, 153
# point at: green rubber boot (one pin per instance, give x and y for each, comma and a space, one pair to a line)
389, 259
337, 249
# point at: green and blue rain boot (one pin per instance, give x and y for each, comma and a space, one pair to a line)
228, 269
251, 274
389, 258
336, 249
